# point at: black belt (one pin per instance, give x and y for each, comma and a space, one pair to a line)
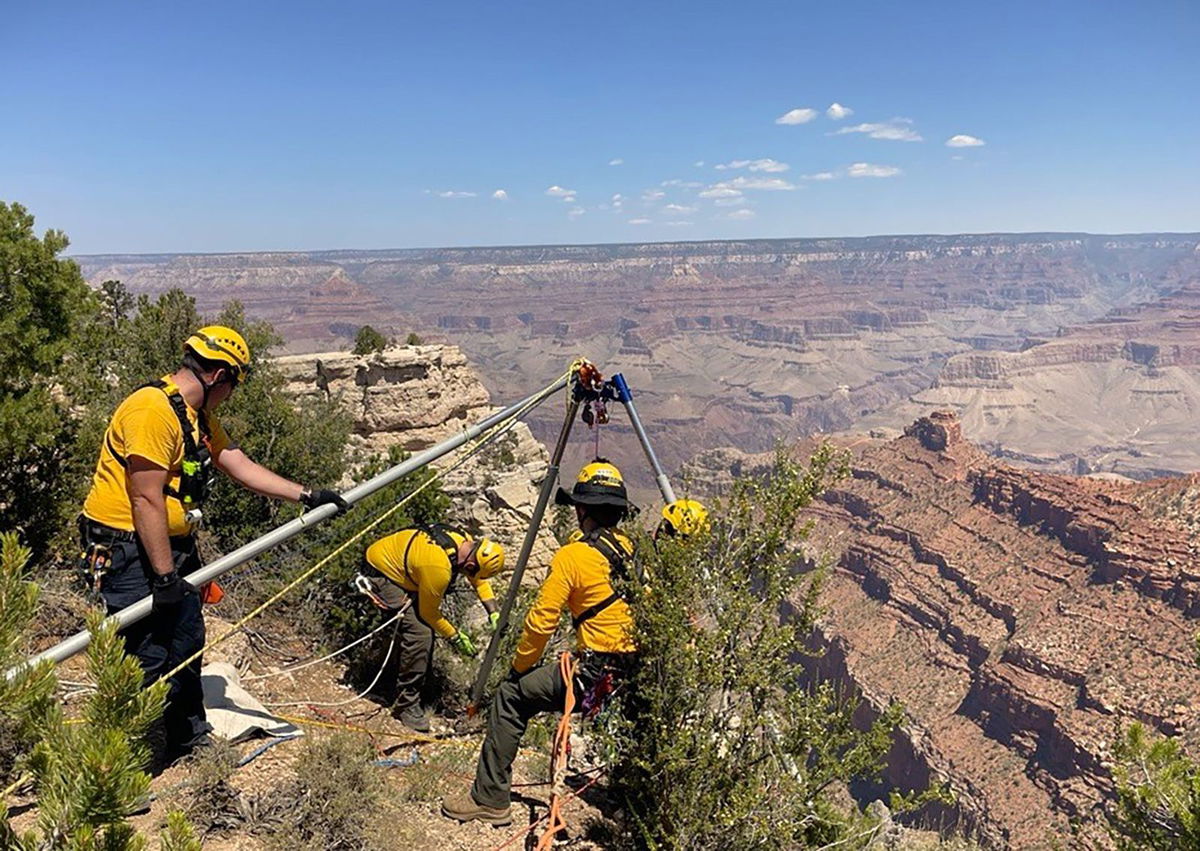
99, 532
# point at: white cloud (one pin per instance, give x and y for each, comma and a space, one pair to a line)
450, 193
653, 195
698, 164
721, 190
558, 192
741, 215
639, 221
678, 208
618, 201
837, 112
687, 184
500, 195
575, 212
678, 224
797, 116
962, 140
730, 202
896, 130
616, 161
820, 175
766, 164
870, 170
766, 184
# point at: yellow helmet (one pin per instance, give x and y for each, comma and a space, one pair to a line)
489, 555
684, 517
598, 483
219, 343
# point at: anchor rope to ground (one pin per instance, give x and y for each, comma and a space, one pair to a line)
508, 424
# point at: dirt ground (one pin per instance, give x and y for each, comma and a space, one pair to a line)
445, 759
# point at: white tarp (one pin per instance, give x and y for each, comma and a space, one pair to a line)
233, 712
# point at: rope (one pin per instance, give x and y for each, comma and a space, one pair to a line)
575, 793
332, 655
387, 657
560, 751
279, 595
262, 749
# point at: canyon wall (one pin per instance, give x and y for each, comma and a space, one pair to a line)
1023, 619
738, 343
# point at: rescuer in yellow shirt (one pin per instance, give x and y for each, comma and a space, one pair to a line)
581, 581
417, 566
156, 465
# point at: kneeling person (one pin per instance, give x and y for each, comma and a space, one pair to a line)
417, 566
581, 579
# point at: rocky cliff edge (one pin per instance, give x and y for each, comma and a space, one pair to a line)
417, 396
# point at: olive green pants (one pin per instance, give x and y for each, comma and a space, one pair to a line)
415, 640
516, 702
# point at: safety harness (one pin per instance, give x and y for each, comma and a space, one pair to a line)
439, 533
197, 468
618, 554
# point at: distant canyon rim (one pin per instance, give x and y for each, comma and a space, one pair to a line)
1061, 352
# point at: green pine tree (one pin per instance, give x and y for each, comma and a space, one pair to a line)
368, 340
43, 299
723, 744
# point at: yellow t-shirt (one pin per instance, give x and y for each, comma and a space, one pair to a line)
145, 425
579, 578
416, 563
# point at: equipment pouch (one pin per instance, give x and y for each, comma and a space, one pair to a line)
94, 562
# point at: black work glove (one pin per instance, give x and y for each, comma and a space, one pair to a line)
324, 496
167, 591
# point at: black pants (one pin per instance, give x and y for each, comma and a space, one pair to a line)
163, 639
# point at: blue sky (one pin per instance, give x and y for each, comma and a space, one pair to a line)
218, 126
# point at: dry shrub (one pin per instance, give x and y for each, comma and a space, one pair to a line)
336, 802
209, 800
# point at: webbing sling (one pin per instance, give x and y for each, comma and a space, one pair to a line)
608, 544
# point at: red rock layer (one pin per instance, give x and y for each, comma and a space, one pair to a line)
1021, 618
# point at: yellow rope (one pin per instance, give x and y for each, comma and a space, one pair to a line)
277, 596
464, 740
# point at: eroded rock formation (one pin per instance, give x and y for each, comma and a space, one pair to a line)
1022, 618
416, 396
1116, 395
738, 343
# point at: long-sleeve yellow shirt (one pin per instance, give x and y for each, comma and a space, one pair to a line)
415, 562
579, 578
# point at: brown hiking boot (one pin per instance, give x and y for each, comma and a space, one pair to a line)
463, 807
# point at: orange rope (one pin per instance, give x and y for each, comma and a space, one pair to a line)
559, 754
526, 830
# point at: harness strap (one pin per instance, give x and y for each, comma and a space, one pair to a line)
191, 452
605, 542
439, 533
591, 611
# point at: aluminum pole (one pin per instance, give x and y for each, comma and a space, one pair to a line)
626, 398
132, 614
514, 583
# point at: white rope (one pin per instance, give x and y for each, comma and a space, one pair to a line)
358, 696
335, 653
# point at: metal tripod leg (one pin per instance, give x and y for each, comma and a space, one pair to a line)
514, 584
625, 397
